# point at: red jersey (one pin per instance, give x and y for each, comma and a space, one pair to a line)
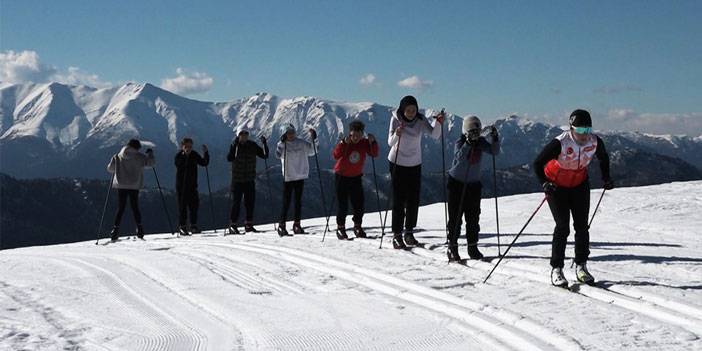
350, 157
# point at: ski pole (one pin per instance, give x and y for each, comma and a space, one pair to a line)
443, 174
163, 200
268, 182
321, 188
497, 215
596, 207
515, 239
209, 190
377, 194
392, 186
104, 207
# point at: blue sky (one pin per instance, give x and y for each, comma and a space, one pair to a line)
637, 59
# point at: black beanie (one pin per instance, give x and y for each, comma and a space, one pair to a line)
580, 118
134, 143
406, 101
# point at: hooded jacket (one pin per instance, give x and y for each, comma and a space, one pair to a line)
128, 168
293, 156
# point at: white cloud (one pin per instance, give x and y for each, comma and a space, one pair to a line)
188, 83
629, 120
25, 66
414, 82
368, 79
689, 123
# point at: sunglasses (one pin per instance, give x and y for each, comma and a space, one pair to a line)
583, 130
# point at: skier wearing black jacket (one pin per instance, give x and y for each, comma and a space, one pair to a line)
242, 154
186, 162
562, 170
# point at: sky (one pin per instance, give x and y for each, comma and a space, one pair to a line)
633, 64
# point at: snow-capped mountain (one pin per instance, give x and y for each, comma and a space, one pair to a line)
50, 130
57, 130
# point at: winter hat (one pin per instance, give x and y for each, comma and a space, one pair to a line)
580, 118
357, 125
287, 128
134, 144
471, 123
406, 101
242, 128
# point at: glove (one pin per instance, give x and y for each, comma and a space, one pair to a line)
284, 138
463, 138
313, 134
493, 133
608, 185
263, 139
236, 141
149, 151
204, 148
549, 188
371, 138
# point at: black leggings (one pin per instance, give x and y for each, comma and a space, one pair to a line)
288, 189
349, 188
247, 190
122, 195
470, 209
188, 200
562, 203
406, 183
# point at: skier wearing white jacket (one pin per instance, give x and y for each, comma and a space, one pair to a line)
405, 140
293, 153
128, 169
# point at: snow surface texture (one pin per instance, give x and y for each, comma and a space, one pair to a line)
261, 292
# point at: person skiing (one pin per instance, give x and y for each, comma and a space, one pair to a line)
293, 153
128, 169
464, 186
350, 155
405, 132
242, 154
561, 167
186, 162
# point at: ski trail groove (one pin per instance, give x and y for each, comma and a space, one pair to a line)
633, 304
502, 327
175, 336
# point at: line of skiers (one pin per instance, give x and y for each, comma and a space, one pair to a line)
561, 168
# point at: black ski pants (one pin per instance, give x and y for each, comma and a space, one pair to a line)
563, 202
406, 184
288, 189
122, 196
349, 188
469, 209
247, 191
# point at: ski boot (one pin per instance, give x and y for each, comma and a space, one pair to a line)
183, 230
397, 241
282, 231
297, 228
140, 232
583, 275
474, 253
114, 234
194, 229
233, 230
249, 228
452, 253
359, 232
341, 233
409, 238
558, 279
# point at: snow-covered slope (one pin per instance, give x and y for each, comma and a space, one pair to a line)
262, 292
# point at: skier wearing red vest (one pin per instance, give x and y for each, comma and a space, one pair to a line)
562, 170
350, 155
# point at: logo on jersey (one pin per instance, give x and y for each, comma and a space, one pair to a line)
589, 148
354, 157
570, 150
